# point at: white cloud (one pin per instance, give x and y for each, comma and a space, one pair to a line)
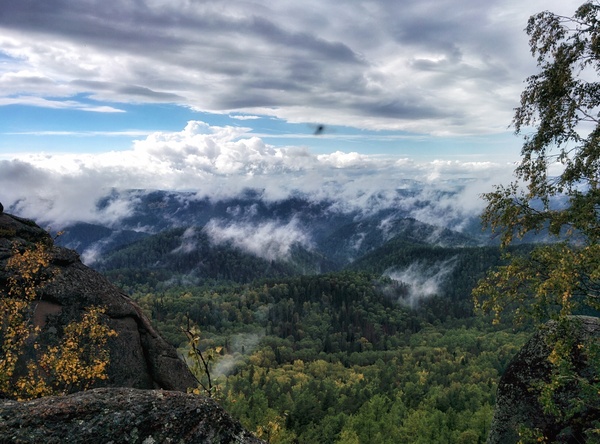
345, 160
421, 65
128, 133
269, 240
243, 117
188, 242
240, 345
57, 104
423, 279
221, 162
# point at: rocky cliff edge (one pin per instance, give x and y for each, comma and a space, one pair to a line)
126, 408
517, 404
120, 415
139, 356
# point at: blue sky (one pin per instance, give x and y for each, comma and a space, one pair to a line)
27, 129
168, 94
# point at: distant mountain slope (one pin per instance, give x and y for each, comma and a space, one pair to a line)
92, 240
188, 254
318, 236
358, 238
155, 211
424, 271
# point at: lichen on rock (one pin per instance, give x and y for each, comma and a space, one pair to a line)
139, 356
120, 415
518, 407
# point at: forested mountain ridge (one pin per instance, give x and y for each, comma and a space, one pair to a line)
341, 358
188, 255
428, 262
322, 325
378, 347
265, 228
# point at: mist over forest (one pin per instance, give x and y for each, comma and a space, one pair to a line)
321, 209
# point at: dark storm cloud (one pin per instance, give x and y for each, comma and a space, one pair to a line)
405, 65
405, 109
238, 100
148, 93
102, 23
332, 52
132, 90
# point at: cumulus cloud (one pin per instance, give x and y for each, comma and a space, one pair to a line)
222, 162
57, 194
421, 65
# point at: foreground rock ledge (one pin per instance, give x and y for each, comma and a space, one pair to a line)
139, 356
517, 397
120, 415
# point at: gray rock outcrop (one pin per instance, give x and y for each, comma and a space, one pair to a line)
126, 408
120, 415
517, 403
139, 356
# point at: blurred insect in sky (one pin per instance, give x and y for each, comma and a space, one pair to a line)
319, 129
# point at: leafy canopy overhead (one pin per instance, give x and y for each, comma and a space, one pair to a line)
557, 186
561, 103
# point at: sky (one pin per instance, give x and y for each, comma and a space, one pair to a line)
329, 98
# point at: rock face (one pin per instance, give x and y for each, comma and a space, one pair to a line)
517, 402
120, 416
139, 356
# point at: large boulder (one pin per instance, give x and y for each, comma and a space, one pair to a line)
518, 406
120, 415
139, 356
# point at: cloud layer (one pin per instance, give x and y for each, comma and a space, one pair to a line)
222, 162
426, 66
